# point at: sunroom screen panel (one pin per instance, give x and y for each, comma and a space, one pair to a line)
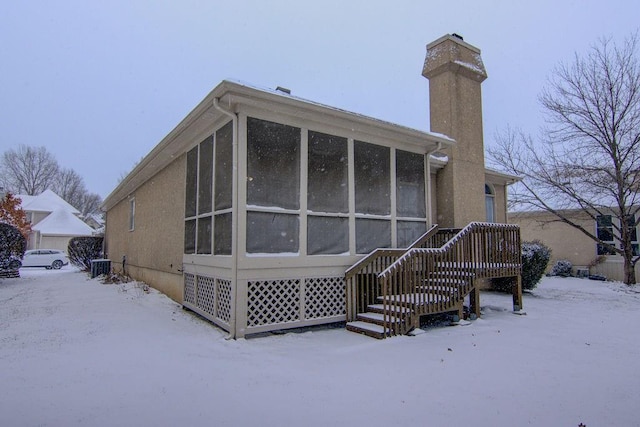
272, 233
205, 172
409, 231
327, 235
372, 178
372, 234
224, 167
273, 164
192, 183
410, 185
328, 189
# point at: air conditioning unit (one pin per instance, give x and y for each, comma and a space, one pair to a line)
582, 272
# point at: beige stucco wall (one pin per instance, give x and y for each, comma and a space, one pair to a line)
565, 241
568, 243
154, 248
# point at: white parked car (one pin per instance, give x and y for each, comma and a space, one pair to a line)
49, 258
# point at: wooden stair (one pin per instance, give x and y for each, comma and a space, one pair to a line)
388, 290
442, 287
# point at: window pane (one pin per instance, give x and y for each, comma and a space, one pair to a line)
272, 233
605, 228
224, 166
190, 236
222, 234
192, 182
630, 220
409, 231
372, 234
490, 208
604, 250
205, 172
410, 198
328, 174
132, 214
372, 182
273, 164
204, 235
327, 235
604, 221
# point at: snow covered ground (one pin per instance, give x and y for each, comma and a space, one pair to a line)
76, 352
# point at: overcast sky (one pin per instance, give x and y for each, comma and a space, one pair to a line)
100, 83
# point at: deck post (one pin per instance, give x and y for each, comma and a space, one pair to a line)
517, 294
474, 301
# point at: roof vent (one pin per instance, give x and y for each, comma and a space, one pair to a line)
458, 36
283, 90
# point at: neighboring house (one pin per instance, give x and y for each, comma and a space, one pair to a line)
251, 210
96, 222
53, 221
569, 243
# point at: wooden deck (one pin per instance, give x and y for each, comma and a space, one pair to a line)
392, 288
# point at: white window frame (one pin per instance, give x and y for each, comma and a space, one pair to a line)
132, 214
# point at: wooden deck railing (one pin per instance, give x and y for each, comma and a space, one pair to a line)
429, 279
362, 285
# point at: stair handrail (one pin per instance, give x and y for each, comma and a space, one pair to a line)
466, 230
402, 290
376, 253
353, 299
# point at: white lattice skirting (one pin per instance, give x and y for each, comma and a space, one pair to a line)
301, 301
271, 304
210, 297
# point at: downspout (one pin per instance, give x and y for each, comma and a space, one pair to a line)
429, 204
506, 202
234, 215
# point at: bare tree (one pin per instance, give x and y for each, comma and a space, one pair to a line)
589, 154
29, 170
70, 186
90, 204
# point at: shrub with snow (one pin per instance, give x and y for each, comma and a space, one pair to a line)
562, 268
12, 247
535, 258
82, 250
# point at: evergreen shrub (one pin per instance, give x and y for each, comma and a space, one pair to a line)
12, 246
82, 250
562, 268
535, 258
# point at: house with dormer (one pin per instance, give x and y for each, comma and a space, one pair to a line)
53, 221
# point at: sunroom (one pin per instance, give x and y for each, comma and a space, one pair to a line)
282, 195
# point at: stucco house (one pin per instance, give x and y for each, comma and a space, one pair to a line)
568, 243
53, 221
253, 211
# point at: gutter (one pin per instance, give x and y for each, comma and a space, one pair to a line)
234, 215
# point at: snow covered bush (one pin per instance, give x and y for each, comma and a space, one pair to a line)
562, 268
535, 258
82, 250
12, 247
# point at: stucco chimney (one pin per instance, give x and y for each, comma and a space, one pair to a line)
455, 71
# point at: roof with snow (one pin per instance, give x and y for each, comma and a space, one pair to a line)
47, 201
63, 223
230, 94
